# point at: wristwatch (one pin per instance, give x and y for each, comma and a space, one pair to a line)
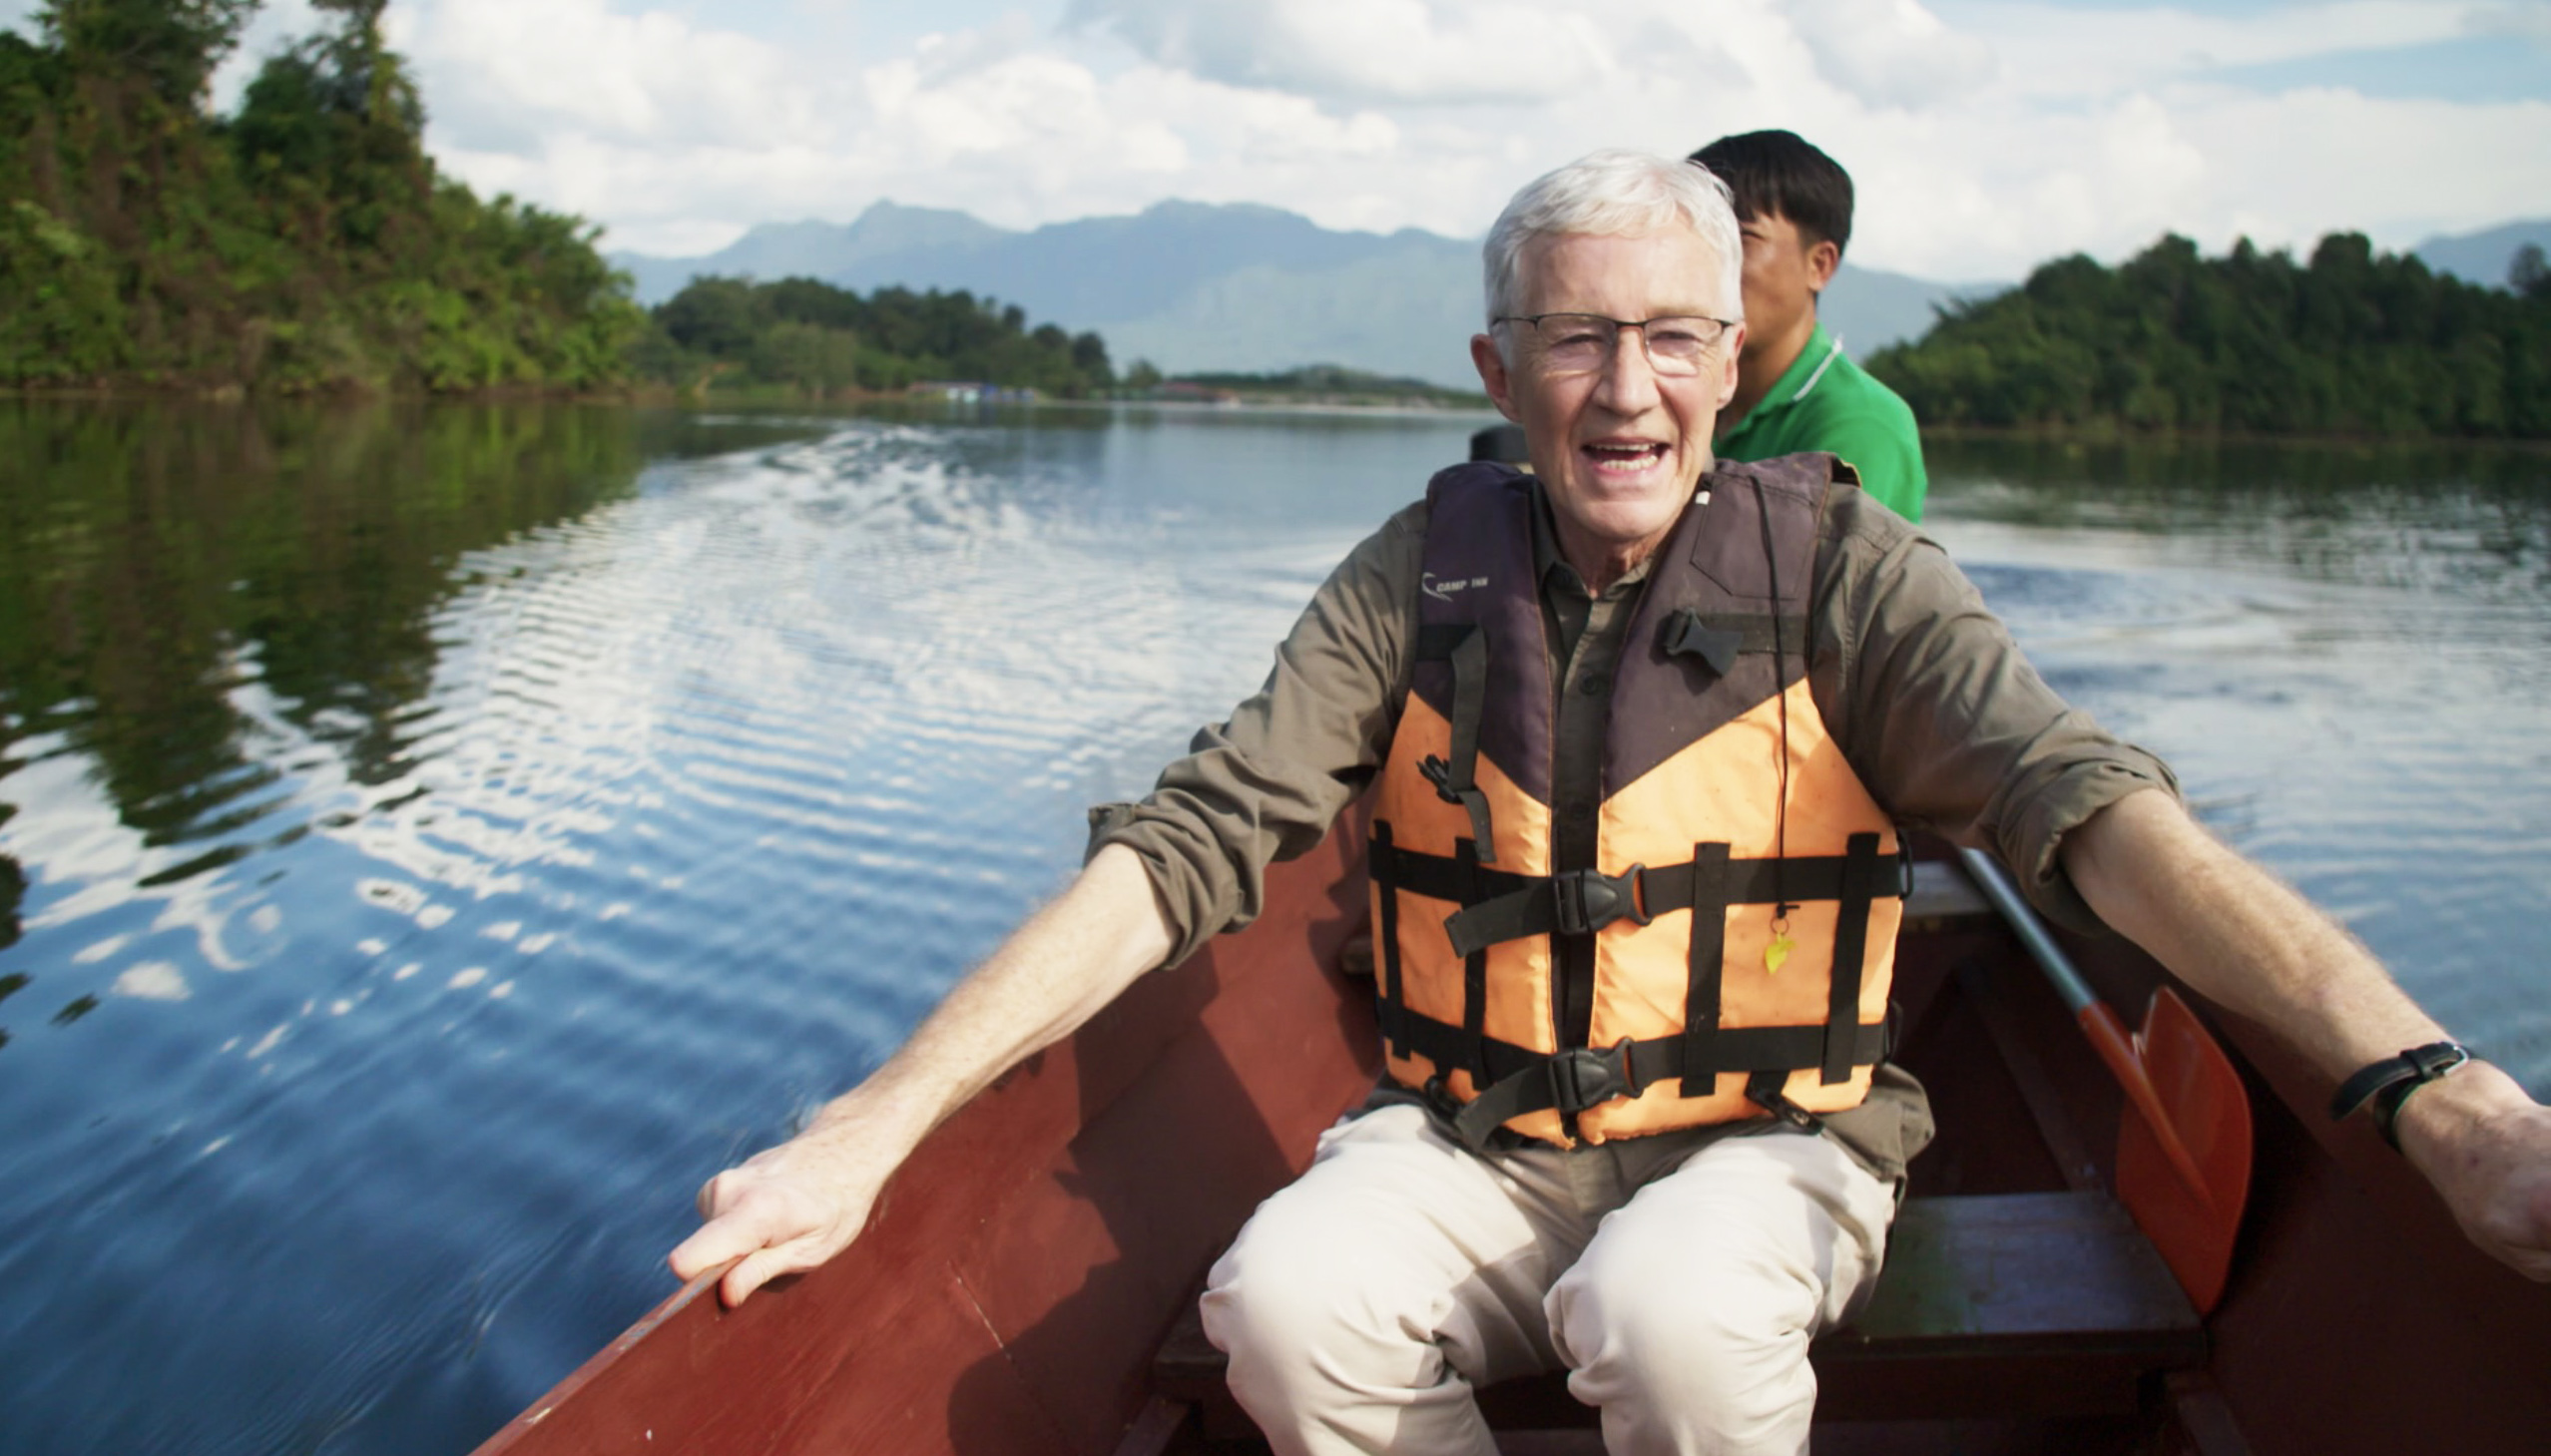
2387, 1084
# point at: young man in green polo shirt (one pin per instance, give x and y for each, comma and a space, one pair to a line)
1796, 388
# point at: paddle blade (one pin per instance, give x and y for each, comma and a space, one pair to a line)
2202, 1098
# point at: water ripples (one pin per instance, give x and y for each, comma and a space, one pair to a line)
392, 973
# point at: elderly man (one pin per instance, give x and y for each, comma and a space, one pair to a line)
1642, 729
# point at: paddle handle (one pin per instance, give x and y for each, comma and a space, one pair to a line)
1990, 877
2107, 1035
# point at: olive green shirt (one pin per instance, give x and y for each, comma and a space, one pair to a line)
1919, 685
1824, 401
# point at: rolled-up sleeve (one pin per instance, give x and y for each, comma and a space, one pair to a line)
1945, 720
1267, 783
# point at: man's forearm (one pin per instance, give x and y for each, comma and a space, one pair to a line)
788, 1208
2240, 936
2253, 946
1069, 960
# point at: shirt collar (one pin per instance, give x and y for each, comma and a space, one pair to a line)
1552, 569
1804, 373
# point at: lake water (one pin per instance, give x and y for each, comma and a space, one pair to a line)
433, 839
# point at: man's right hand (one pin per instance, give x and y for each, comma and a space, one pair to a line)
788, 1209
783, 1210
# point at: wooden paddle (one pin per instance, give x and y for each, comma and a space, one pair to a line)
2183, 1144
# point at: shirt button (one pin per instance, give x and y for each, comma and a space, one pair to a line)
1594, 685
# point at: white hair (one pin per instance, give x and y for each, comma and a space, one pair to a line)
1615, 195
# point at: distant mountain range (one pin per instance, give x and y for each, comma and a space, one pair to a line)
1197, 288
2482, 257
1241, 289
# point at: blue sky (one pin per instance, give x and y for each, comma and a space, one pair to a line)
1985, 135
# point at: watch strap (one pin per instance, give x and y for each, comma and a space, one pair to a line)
2386, 1083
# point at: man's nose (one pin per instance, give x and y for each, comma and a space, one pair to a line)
1629, 384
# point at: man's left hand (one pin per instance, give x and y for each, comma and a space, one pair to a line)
2486, 1147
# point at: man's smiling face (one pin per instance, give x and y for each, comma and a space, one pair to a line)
1619, 448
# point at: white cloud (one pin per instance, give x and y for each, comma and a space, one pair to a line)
2530, 19
1367, 50
1892, 52
1985, 135
677, 137
2057, 51
512, 71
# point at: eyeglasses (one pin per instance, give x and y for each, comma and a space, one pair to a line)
1580, 343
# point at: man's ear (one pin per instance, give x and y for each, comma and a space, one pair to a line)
1821, 260
1493, 377
1730, 348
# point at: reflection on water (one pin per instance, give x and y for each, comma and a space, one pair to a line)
432, 839
2454, 517
448, 835
2344, 651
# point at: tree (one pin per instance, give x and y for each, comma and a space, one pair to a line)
307, 245
2527, 273
338, 108
2354, 342
719, 317
172, 44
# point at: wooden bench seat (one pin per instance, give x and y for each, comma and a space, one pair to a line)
1944, 898
1994, 1307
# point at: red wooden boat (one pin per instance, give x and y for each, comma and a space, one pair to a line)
1027, 1283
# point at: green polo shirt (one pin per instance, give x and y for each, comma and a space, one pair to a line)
1824, 401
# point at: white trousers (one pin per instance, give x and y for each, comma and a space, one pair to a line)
1363, 1304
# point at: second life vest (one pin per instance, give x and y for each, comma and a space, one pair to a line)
1746, 889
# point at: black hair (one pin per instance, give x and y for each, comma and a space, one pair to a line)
1781, 173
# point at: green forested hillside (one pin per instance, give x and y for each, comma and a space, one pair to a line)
818, 339
2353, 341
307, 242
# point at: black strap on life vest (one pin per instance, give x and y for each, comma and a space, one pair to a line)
1701, 997
1474, 971
1498, 906
1585, 901
1389, 1013
1465, 647
1764, 1090
1516, 1081
1851, 942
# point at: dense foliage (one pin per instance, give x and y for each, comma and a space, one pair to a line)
819, 340
306, 243
2352, 342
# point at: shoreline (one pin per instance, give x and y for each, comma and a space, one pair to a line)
2102, 436
658, 396
668, 397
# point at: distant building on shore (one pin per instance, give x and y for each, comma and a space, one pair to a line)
960, 392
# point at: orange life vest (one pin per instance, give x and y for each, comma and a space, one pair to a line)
1724, 801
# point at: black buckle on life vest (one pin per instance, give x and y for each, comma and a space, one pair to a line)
1473, 802
1589, 1076
1586, 900
1764, 1090
1439, 774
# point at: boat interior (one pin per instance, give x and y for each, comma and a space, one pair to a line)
2021, 1309
1028, 1281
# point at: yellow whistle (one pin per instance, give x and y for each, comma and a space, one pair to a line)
1776, 954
